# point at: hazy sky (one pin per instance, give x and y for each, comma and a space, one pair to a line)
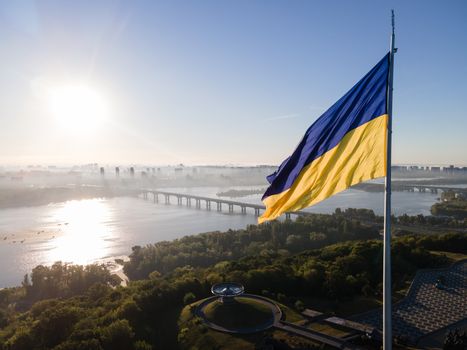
203, 82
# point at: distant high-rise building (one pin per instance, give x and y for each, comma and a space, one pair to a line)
102, 171
132, 172
450, 169
447, 169
117, 171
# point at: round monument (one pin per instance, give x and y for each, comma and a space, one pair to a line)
227, 291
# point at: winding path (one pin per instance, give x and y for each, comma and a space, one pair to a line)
276, 315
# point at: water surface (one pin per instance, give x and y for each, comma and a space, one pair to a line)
98, 230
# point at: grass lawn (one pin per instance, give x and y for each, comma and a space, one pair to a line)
195, 335
241, 313
290, 315
452, 256
345, 308
295, 341
333, 330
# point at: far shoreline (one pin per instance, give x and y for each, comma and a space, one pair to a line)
33, 197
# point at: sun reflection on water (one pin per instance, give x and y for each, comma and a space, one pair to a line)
84, 236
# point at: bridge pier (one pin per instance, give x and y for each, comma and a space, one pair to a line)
181, 197
287, 216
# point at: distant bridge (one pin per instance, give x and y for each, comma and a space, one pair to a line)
426, 188
200, 202
411, 187
207, 203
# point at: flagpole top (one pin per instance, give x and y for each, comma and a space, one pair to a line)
393, 49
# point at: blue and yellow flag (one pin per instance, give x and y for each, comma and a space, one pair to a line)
343, 147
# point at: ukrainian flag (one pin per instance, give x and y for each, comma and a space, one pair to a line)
343, 147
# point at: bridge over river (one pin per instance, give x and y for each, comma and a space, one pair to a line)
398, 186
411, 187
200, 202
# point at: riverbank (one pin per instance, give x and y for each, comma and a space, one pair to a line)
32, 196
456, 208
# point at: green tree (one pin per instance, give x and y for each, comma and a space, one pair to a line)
299, 305
22, 339
189, 298
117, 336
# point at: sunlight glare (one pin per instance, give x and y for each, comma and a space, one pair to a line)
85, 236
77, 108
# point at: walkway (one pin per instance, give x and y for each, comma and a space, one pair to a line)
308, 333
276, 315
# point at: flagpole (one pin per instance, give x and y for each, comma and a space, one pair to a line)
387, 302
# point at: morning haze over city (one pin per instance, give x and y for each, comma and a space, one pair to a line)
233, 175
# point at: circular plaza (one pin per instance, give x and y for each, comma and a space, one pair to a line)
231, 310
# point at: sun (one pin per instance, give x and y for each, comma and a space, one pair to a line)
77, 108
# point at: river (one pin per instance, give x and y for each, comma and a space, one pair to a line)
99, 230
